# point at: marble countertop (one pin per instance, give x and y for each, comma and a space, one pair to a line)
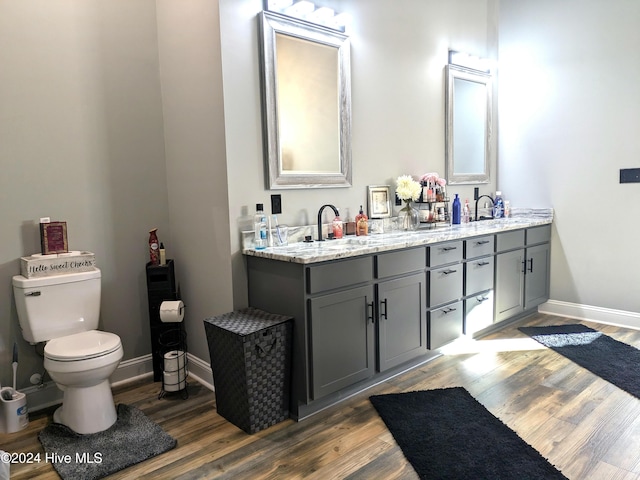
352, 246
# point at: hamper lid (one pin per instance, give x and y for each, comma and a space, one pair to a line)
247, 320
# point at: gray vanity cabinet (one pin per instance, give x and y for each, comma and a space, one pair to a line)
522, 270
361, 319
402, 332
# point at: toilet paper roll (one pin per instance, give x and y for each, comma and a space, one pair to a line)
173, 381
174, 361
171, 311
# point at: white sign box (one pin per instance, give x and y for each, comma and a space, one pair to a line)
38, 265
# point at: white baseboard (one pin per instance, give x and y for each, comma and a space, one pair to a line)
201, 371
607, 316
48, 394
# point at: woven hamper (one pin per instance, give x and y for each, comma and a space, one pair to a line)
250, 353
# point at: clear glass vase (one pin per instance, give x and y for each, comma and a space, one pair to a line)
408, 217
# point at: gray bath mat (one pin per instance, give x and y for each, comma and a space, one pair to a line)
132, 439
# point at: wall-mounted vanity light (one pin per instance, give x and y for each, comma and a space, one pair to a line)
306, 10
469, 61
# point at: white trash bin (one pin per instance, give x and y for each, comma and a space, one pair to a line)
14, 414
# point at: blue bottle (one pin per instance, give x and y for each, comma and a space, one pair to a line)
456, 211
498, 208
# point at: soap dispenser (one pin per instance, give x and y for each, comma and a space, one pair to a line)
362, 224
337, 227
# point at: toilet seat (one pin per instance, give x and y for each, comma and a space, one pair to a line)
82, 346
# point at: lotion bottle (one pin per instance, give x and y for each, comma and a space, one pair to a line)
466, 212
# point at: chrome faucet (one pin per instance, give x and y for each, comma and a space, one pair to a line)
335, 210
492, 205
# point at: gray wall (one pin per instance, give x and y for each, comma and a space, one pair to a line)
569, 121
81, 140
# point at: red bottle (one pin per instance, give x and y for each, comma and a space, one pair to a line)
153, 247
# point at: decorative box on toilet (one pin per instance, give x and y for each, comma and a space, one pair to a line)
250, 358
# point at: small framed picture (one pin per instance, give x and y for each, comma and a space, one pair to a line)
379, 201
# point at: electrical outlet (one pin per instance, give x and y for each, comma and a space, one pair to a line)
630, 175
276, 204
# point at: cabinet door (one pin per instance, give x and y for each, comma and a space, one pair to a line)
536, 285
342, 340
509, 285
401, 320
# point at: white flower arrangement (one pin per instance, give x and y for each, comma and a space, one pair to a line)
407, 188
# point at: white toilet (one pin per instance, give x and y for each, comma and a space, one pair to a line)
63, 310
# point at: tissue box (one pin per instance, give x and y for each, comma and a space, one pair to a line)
38, 265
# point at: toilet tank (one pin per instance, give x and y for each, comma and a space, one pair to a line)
58, 305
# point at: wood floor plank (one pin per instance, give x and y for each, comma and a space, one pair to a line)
585, 426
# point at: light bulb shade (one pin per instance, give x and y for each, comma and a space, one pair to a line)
278, 5
300, 9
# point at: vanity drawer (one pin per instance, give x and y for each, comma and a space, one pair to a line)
479, 275
339, 274
444, 253
444, 325
398, 263
478, 247
445, 284
478, 312
509, 240
538, 234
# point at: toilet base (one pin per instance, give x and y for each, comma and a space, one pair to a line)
87, 409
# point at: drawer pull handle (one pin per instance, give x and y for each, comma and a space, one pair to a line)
482, 299
482, 242
448, 272
446, 249
483, 264
384, 314
35, 293
449, 310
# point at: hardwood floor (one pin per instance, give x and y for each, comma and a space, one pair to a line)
585, 426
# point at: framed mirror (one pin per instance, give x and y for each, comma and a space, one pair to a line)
306, 103
468, 125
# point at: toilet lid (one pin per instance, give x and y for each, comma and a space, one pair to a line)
82, 346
